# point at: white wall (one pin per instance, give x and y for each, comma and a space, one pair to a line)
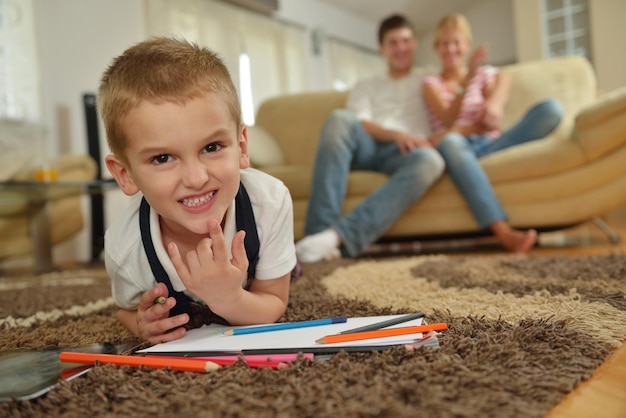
606, 18
77, 39
529, 30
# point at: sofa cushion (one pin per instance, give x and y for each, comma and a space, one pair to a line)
295, 120
263, 148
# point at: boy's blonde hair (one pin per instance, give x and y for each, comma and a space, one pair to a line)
160, 70
454, 21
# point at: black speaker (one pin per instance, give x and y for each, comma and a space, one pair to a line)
97, 199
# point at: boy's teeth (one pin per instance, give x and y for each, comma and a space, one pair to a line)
197, 201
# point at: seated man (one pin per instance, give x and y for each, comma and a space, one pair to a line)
384, 129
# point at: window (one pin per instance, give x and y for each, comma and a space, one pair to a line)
245, 89
567, 27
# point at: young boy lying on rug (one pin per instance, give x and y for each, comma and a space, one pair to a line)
179, 146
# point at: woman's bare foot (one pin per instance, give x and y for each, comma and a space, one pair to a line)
514, 240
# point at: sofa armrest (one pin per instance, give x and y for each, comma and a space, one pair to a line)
601, 127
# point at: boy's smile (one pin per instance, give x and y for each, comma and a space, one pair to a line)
185, 159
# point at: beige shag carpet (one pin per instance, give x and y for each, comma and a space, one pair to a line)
523, 332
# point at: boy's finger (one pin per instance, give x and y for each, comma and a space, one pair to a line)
220, 251
177, 261
148, 298
171, 330
240, 259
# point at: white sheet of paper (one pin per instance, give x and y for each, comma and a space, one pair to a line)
211, 338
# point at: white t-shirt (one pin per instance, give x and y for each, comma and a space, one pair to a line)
127, 264
392, 103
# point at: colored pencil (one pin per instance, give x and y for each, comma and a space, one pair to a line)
253, 364
385, 324
392, 332
282, 358
138, 361
159, 299
284, 326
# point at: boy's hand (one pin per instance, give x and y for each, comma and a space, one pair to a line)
209, 273
153, 321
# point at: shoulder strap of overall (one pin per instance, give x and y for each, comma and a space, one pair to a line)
161, 276
244, 218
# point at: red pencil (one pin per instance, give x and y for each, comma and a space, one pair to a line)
138, 361
392, 332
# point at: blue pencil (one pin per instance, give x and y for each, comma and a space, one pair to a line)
285, 325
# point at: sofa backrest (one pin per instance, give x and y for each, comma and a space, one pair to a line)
570, 80
295, 120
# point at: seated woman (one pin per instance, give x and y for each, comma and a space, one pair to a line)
466, 104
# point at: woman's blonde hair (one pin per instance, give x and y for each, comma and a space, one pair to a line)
454, 21
160, 70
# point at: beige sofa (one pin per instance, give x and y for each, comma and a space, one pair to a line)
576, 173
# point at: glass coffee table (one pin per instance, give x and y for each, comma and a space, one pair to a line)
35, 196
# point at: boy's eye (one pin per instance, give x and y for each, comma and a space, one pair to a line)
161, 158
212, 147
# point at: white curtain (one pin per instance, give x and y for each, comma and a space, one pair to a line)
276, 50
348, 64
19, 74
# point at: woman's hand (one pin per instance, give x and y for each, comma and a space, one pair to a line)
477, 59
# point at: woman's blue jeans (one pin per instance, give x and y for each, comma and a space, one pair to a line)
344, 146
461, 155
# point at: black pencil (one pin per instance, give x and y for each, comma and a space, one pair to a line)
384, 324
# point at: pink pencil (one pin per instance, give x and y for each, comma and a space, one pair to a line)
253, 364
284, 358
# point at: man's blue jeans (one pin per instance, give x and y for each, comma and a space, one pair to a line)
344, 146
461, 155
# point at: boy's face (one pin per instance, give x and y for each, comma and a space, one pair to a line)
185, 159
398, 47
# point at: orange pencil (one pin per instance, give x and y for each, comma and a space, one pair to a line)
392, 332
138, 361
